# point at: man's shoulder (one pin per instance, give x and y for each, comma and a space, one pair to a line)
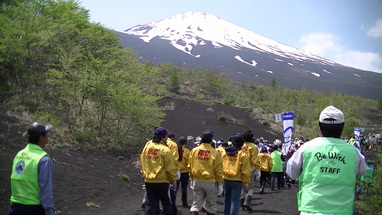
157, 146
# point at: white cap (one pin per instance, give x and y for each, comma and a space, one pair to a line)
332, 115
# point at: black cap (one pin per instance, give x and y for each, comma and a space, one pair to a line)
160, 131
238, 140
207, 136
182, 140
38, 129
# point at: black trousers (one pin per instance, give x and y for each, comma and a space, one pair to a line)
158, 192
279, 176
20, 209
263, 178
184, 177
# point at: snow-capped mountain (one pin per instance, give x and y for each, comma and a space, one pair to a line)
199, 39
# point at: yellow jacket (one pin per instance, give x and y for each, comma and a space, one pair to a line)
205, 164
220, 150
184, 162
174, 149
236, 167
252, 151
264, 162
158, 164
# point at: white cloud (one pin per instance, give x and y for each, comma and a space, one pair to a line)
324, 45
363, 60
376, 30
318, 43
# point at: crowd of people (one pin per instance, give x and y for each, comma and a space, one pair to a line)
327, 169
324, 167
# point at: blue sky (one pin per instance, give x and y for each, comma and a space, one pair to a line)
345, 31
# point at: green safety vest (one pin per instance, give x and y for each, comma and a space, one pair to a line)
24, 177
327, 181
368, 176
277, 162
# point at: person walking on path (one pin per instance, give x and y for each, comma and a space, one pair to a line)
184, 154
205, 168
175, 152
252, 151
277, 169
327, 169
159, 172
31, 178
265, 164
236, 173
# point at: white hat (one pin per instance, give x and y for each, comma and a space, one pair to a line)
332, 115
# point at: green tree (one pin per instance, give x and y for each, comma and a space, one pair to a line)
76, 70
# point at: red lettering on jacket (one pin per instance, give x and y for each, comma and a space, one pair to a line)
153, 151
203, 153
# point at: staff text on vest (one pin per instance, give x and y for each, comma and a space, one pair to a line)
329, 170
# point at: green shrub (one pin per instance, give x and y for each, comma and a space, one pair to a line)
84, 136
380, 104
228, 100
372, 203
123, 176
199, 97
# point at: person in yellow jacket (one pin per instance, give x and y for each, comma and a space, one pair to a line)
265, 164
236, 173
159, 172
184, 154
174, 149
251, 149
31, 178
205, 168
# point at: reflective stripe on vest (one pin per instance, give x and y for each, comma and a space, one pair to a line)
328, 177
24, 178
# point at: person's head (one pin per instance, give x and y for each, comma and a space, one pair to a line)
263, 150
38, 133
224, 144
160, 135
181, 142
248, 136
207, 136
275, 147
331, 122
171, 135
238, 140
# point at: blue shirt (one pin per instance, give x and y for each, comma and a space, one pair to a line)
45, 167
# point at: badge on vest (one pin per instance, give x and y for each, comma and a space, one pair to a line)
19, 168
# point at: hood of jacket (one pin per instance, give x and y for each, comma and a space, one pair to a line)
232, 150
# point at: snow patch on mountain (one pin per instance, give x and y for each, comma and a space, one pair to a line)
190, 29
327, 71
315, 74
237, 57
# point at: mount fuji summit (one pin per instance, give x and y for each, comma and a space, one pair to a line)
199, 39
